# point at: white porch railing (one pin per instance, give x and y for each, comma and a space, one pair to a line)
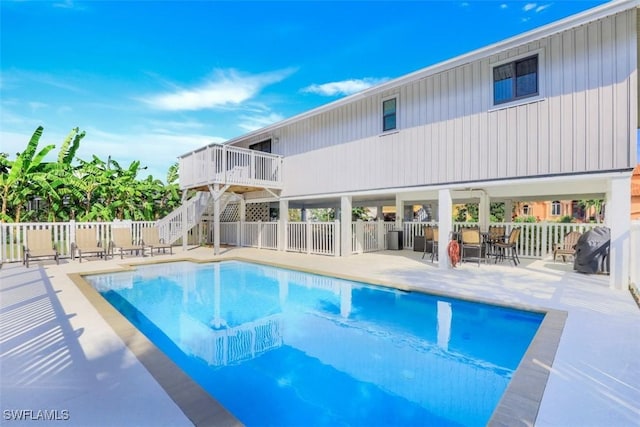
225, 164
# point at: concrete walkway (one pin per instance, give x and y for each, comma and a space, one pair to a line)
57, 354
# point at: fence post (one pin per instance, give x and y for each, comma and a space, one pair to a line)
380, 233
544, 250
259, 234
72, 235
359, 236
336, 237
308, 235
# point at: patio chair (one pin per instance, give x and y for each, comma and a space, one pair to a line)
428, 240
496, 234
123, 240
86, 243
567, 247
39, 244
471, 240
152, 240
434, 244
511, 246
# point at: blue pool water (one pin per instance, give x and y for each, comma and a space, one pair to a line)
280, 347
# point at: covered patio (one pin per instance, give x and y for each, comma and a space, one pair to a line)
613, 188
65, 354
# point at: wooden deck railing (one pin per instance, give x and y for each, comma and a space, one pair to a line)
223, 164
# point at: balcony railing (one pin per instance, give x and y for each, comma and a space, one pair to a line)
223, 164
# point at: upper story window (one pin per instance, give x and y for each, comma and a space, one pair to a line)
515, 80
264, 146
389, 111
555, 208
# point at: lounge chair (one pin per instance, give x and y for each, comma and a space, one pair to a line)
123, 241
152, 240
471, 240
86, 243
511, 246
567, 247
39, 244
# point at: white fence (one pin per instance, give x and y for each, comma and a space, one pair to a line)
12, 235
323, 238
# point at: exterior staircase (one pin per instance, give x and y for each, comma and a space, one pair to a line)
170, 228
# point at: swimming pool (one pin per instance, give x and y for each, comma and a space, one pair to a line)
282, 347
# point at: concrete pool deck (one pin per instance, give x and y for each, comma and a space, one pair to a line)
58, 354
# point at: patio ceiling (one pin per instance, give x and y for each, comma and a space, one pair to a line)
575, 187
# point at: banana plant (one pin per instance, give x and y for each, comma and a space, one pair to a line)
17, 175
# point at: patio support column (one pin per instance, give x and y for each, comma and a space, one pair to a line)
242, 217
183, 223
484, 211
283, 213
379, 213
618, 206
445, 224
345, 225
216, 219
303, 215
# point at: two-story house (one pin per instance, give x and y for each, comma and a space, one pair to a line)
551, 113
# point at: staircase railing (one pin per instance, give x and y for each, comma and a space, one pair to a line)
170, 228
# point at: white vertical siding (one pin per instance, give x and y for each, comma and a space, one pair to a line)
448, 130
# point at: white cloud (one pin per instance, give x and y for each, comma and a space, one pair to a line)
66, 4
464, 4
156, 150
535, 7
225, 88
345, 87
15, 79
251, 123
504, 6
35, 105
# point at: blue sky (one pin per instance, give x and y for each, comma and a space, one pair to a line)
150, 80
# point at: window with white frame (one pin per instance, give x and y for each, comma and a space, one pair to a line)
389, 112
526, 210
556, 208
515, 80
